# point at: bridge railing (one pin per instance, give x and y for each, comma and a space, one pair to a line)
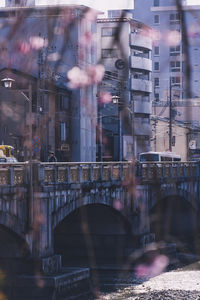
83, 172
13, 173
149, 171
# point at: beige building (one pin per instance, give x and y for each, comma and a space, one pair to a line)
160, 137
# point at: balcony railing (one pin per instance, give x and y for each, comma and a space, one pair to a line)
140, 40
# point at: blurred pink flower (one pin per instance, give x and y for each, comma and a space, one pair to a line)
172, 38
155, 35
193, 31
118, 205
37, 42
105, 97
78, 78
82, 78
91, 15
24, 47
87, 38
158, 265
96, 73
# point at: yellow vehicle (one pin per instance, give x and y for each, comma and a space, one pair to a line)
7, 152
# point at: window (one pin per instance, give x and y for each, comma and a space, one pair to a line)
156, 50
176, 80
156, 2
157, 97
64, 102
109, 53
175, 50
108, 31
156, 66
63, 131
175, 66
174, 18
156, 81
156, 19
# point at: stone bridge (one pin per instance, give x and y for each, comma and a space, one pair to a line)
92, 213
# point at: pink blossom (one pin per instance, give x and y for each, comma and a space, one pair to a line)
96, 73
105, 97
158, 265
53, 56
83, 78
117, 204
86, 38
91, 15
172, 38
155, 35
78, 78
37, 42
24, 47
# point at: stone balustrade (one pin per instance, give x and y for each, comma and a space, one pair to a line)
88, 172
150, 171
84, 172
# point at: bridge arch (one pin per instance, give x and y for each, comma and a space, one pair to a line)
114, 198
14, 258
93, 234
174, 219
12, 223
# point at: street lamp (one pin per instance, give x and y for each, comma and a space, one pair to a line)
7, 82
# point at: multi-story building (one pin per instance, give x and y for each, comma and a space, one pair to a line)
170, 46
21, 3
124, 48
175, 57
47, 42
160, 136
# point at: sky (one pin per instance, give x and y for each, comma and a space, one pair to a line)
98, 4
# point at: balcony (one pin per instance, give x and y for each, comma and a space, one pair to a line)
140, 40
142, 107
141, 85
141, 63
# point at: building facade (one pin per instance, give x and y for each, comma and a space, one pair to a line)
21, 3
46, 44
170, 46
124, 49
175, 58
160, 137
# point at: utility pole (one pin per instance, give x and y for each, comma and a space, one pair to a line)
133, 128
120, 132
170, 114
100, 158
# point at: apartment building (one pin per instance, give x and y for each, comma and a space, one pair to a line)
21, 3
124, 48
175, 58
